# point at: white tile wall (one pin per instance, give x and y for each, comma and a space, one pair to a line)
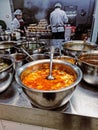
9, 125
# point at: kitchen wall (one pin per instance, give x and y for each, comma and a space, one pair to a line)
5, 11
36, 9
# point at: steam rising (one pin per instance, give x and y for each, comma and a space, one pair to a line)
42, 6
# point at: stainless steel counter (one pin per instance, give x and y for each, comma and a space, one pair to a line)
80, 110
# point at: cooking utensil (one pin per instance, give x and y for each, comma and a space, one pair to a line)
50, 77
39, 56
19, 59
54, 98
27, 53
6, 73
88, 62
66, 58
76, 47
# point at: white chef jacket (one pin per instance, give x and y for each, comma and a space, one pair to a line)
15, 24
57, 20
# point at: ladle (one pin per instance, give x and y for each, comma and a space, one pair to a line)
50, 77
27, 53
24, 52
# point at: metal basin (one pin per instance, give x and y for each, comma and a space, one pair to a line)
54, 98
88, 62
19, 60
39, 56
7, 47
76, 47
6, 73
66, 58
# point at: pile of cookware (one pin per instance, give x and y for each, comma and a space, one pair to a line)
77, 58
86, 55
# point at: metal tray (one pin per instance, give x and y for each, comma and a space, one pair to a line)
83, 102
83, 107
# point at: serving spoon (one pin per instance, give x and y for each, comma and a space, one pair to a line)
50, 77
25, 52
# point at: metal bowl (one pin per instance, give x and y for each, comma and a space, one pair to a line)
7, 47
37, 57
19, 60
54, 98
6, 73
76, 47
66, 58
88, 62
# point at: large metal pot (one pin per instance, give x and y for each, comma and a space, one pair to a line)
66, 58
7, 47
6, 73
76, 47
88, 62
39, 56
54, 98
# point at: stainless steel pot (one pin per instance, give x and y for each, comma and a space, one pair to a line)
6, 73
19, 60
54, 98
76, 47
7, 47
66, 58
88, 62
39, 56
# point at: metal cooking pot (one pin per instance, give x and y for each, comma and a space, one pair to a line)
32, 47
76, 47
19, 60
88, 62
54, 98
66, 58
7, 47
6, 73
37, 57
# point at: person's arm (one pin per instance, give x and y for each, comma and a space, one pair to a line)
65, 18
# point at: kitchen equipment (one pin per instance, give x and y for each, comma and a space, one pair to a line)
54, 98
19, 60
6, 72
66, 58
76, 47
27, 53
88, 62
50, 77
7, 47
38, 56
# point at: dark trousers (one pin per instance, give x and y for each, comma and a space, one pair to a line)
58, 35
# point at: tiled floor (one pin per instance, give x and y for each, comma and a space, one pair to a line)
9, 125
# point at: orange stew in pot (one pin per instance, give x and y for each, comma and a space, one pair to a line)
38, 79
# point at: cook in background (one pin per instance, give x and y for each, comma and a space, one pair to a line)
58, 19
18, 22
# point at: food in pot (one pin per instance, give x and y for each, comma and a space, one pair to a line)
66, 58
38, 79
89, 59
